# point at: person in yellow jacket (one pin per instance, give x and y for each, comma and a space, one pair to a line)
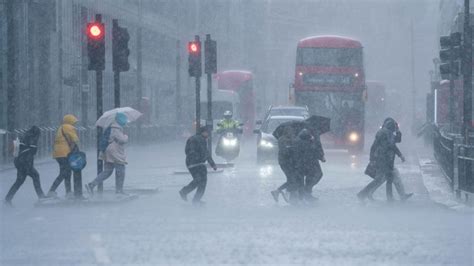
66, 141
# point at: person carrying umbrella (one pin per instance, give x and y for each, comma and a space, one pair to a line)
24, 164
113, 154
308, 153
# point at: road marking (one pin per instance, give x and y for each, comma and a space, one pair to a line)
100, 252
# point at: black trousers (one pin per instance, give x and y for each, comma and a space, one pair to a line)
199, 175
291, 174
65, 174
20, 179
312, 178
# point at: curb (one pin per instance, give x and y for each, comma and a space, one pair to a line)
438, 187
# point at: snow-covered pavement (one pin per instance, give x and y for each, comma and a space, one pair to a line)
240, 223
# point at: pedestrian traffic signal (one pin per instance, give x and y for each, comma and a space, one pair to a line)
120, 51
96, 45
450, 54
210, 54
194, 58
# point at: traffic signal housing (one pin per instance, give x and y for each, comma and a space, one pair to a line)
210, 54
195, 58
96, 45
120, 50
450, 54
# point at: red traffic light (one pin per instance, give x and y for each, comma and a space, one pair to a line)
95, 30
193, 47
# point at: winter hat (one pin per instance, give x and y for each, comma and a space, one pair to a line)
121, 119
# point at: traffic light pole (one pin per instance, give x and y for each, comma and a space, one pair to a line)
451, 96
98, 77
198, 103
209, 123
467, 75
116, 89
100, 111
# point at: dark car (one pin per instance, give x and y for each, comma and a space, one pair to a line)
285, 111
267, 145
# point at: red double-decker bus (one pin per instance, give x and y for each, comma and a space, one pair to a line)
330, 80
241, 82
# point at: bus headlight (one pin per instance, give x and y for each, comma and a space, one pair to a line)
266, 144
354, 137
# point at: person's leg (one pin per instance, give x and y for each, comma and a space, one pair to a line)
20, 179
33, 173
372, 186
201, 184
397, 181
194, 183
77, 184
312, 179
388, 190
106, 173
119, 177
63, 172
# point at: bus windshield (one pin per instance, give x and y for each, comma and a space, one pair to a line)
336, 57
343, 108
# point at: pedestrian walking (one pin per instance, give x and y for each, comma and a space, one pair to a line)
287, 164
308, 153
196, 156
66, 141
382, 157
113, 155
24, 164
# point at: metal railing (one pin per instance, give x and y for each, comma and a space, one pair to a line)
457, 162
87, 137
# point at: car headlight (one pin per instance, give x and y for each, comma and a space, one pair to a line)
229, 142
353, 137
266, 144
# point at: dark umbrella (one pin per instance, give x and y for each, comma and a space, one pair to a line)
314, 123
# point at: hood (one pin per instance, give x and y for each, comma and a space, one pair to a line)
70, 120
33, 132
390, 124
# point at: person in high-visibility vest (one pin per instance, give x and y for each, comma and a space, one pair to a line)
227, 123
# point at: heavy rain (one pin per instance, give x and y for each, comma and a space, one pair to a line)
276, 132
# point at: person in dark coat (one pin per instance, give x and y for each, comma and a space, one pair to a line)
382, 155
308, 153
24, 164
394, 176
287, 165
196, 156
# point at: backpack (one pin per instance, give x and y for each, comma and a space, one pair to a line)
104, 140
16, 147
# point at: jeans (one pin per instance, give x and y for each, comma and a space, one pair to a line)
20, 179
397, 181
107, 172
199, 174
65, 174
